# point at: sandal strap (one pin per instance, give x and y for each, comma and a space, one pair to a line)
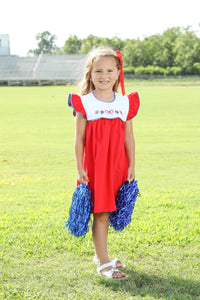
109, 274
104, 266
114, 263
96, 262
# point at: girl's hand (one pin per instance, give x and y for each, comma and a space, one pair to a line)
82, 177
131, 174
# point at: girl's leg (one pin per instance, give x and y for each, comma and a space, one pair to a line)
100, 235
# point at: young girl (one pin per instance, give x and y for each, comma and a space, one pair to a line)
104, 145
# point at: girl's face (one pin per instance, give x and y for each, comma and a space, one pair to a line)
104, 73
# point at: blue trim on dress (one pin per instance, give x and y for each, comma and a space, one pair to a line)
69, 99
106, 119
105, 101
79, 113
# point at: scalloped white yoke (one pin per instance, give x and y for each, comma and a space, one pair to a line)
96, 109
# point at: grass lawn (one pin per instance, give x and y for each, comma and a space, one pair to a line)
160, 248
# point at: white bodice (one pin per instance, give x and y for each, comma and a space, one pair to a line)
96, 109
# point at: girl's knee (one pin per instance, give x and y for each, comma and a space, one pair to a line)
101, 217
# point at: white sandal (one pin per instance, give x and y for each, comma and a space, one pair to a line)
108, 274
96, 262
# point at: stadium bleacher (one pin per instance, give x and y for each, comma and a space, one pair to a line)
41, 70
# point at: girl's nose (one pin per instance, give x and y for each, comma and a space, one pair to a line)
103, 74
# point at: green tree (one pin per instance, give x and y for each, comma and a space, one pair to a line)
152, 50
116, 43
88, 44
177, 50
187, 50
46, 44
134, 53
72, 45
94, 41
168, 42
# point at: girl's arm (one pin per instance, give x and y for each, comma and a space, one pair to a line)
130, 150
79, 147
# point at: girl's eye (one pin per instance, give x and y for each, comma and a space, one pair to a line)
110, 71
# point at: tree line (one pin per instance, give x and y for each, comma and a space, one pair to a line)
174, 52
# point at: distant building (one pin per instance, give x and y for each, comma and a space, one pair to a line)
4, 44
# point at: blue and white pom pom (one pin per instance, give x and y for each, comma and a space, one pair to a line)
125, 203
80, 211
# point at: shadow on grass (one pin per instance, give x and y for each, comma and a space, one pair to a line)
142, 284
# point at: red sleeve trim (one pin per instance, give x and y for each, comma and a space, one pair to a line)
134, 104
75, 102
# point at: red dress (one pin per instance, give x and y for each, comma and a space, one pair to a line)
105, 160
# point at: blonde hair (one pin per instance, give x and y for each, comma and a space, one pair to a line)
86, 85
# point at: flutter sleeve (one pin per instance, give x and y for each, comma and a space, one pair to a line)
134, 104
75, 102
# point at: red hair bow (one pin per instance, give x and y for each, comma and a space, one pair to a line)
121, 72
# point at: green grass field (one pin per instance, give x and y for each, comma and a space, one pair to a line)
160, 248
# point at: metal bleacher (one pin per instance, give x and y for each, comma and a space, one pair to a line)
41, 70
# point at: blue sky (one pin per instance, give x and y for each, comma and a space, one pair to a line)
23, 19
